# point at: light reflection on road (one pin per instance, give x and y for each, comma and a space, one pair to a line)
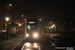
30, 46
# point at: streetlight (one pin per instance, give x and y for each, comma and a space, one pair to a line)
22, 15
21, 19
12, 10
7, 19
53, 25
19, 24
10, 4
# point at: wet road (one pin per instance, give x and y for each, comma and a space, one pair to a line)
44, 43
41, 44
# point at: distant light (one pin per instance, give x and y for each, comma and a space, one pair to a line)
28, 44
3, 30
27, 35
7, 19
53, 25
19, 24
49, 27
28, 25
31, 22
21, 15
10, 4
50, 22
27, 49
39, 19
35, 45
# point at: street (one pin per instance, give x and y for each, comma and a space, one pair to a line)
41, 44
46, 42
37, 25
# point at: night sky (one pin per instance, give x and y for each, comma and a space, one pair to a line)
48, 10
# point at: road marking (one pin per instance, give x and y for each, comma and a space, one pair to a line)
58, 40
17, 45
51, 42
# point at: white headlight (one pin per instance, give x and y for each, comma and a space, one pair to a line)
35, 35
27, 35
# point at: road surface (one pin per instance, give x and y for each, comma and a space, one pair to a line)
46, 42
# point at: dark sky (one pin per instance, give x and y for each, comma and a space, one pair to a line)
48, 10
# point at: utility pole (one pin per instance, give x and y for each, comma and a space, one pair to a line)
12, 11
12, 14
12, 25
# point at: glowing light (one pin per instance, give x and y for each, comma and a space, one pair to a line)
53, 25
28, 25
31, 22
7, 19
49, 27
28, 44
27, 35
3, 30
19, 24
21, 15
10, 4
39, 19
35, 35
35, 45
50, 22
27, 49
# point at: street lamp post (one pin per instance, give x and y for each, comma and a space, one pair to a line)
7, 19
3, 33
22, 16
12, 9
25, 27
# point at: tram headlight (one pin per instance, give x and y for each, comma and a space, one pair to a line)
35, 35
